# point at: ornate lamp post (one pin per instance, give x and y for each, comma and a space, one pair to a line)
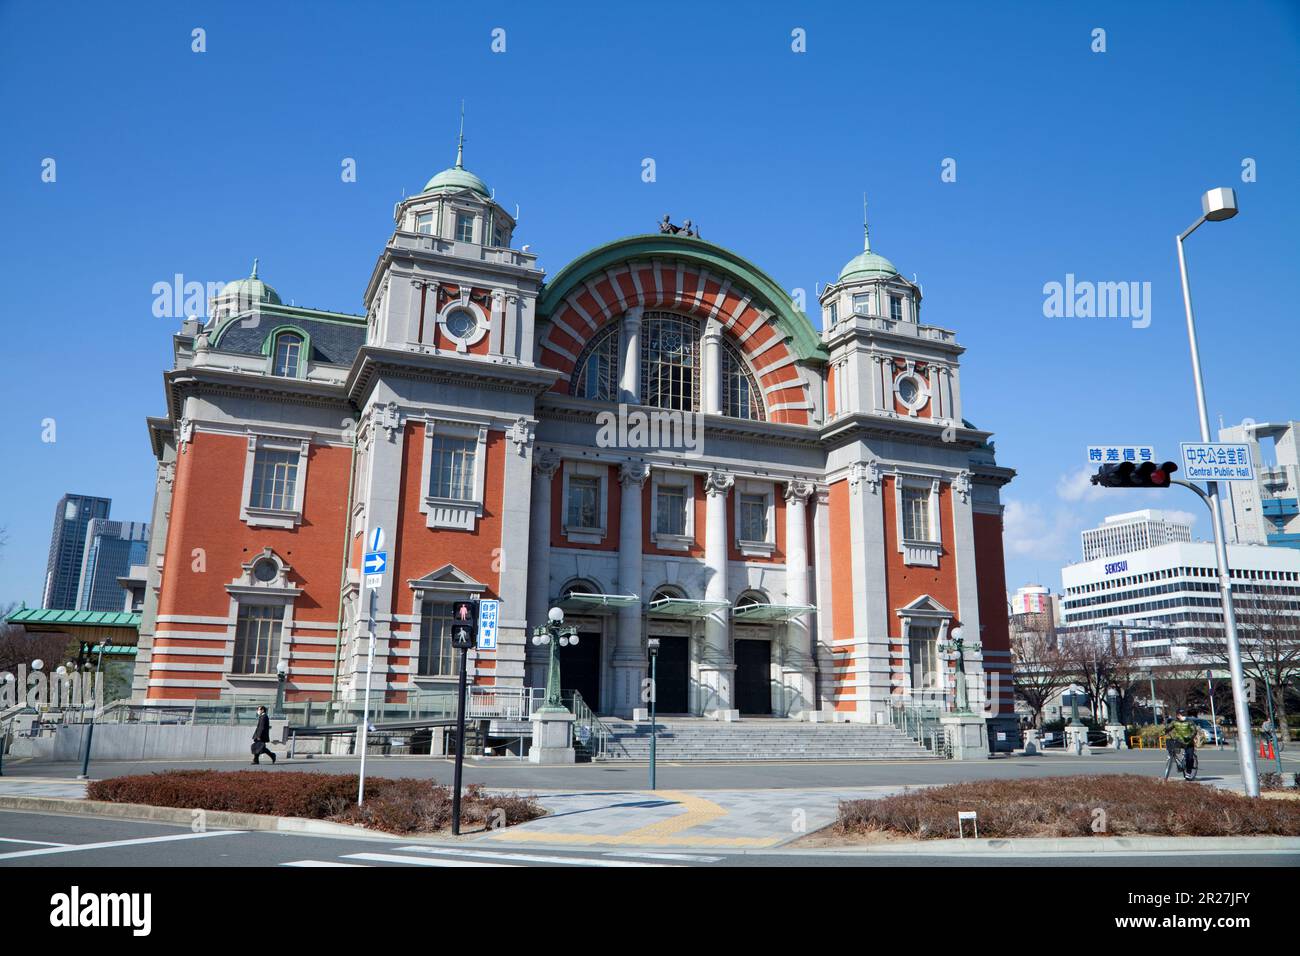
957, 644
554, 634
281, 672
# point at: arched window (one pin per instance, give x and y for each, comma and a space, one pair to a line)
752, 597
667, 591
670, 364
596, 374
741, 397
288, 355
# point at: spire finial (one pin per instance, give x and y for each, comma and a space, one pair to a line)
866, 230
254, 274
460, 142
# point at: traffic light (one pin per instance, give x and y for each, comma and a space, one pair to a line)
1128, 474
464, 623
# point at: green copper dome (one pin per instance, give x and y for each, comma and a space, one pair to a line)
458, 177
867, 265
251, 289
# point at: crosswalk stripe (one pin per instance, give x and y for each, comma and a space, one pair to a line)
418, 861
525, 857
321, 863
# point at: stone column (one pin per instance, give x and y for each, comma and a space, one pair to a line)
629, 383
712, 367
629, 657
798, 667
717, 668
545, 464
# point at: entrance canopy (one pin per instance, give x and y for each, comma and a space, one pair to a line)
594, 603
684, 607
770, 612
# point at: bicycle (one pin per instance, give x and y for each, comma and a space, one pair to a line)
1184, 758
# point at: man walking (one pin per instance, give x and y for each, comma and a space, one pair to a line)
261, 736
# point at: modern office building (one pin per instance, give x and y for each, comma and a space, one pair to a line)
1034, 608
1133, 531
72, 517
1265, 511
653, 438
112, 547
1163, 602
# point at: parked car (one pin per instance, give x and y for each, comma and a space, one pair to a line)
1210, 733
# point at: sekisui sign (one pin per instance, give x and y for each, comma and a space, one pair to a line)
1217, 461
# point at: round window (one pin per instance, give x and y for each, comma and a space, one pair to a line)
908, 390
461, 323
265, 570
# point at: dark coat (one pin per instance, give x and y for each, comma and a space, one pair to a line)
262, 733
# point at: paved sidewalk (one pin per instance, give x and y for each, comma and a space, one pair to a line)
42, 787
737, 819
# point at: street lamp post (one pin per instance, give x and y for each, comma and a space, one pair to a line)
90, 727
652, 645
554, 635
958, 644
281, 672
1218, 205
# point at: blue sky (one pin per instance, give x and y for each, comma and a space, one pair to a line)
1068, 161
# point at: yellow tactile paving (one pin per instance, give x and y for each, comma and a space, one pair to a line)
660, 833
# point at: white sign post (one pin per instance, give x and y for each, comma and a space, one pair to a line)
488, 613
1217, 461
1118, 454
375, 564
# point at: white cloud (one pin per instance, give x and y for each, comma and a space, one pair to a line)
1078, 486
1175, 515
1029, 531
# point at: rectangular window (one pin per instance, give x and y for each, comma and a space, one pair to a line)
832, 313
753, 517
437, 655
275, 479
862, 303
257, 639
923, 646
916, 515
452, 468
464, 227
896, 308
584, 502
424, 223
670, 514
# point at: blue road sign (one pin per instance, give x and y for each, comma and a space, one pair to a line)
376, 562
488, 611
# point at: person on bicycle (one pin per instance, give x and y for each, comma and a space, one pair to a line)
1180, 735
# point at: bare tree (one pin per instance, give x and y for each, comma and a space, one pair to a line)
1038, 669
1268, 626
17, 646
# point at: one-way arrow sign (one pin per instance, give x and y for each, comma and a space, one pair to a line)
376, 562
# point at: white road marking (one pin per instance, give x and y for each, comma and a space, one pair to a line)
78, 847
684, 857
321, 863
526, 857
417, 861
31, 842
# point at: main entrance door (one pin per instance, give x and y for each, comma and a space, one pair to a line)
754, 676
580, 668
673, 676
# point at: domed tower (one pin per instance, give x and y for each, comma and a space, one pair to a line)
448, 281
242, 295
896, 366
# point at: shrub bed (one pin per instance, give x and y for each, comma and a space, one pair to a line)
395, 806
1129, 805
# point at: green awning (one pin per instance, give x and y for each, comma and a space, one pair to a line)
684, 607
56, 618
770, 612
592, 603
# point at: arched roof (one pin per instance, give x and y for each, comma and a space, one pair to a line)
803, 338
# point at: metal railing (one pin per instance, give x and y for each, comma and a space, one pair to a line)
920, 721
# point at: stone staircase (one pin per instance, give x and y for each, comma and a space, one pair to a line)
760, 739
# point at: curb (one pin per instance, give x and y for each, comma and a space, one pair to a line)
1070, 845
213, 819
